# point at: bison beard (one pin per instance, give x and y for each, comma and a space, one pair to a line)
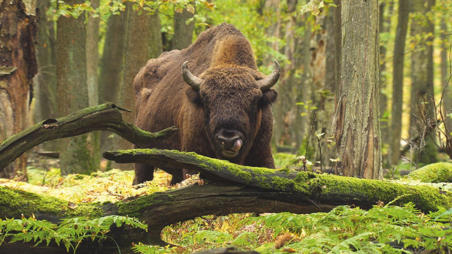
213, 93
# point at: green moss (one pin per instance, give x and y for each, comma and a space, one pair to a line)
433, 173
426, 198
284, 160
322, 187
14, 203
134, 208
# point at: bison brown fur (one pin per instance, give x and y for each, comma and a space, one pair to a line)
214, 94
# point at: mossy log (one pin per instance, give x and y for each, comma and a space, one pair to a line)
157, 210
102, 117
240, 189
318, 189
440, 172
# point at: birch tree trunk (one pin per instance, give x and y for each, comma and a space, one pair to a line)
357, 123
17, 68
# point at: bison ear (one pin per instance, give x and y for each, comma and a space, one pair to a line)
268, 97
193, 96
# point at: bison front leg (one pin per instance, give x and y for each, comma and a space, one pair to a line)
143, 173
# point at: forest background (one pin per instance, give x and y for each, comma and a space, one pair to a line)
87, 53
364, 91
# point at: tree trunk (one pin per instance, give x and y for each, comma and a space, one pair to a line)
323, 88
155, 39
138, 33
17, 68
45, 87
183, 29
397, 80
92, 64
111, 65
446, 86
92, 56
72, 90
45, 106
111, 61
357, 112
294, 49
422, 105
386, 12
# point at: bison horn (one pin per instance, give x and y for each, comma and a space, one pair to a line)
266, 83
191, 79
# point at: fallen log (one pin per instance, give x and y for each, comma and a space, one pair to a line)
157, 210
102, 117
319, 189
241, 189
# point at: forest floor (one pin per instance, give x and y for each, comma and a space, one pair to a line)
382, 229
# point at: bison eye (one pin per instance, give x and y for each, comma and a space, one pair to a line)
193, 96
268, 98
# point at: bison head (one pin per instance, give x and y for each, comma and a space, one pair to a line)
232, 98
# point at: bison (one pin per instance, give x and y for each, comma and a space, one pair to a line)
214, 94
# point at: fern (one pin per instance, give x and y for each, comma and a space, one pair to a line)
70, 232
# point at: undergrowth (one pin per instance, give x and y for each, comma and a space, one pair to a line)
69, 233
382, 229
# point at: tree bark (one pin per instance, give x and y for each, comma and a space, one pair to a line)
72, 89
45, 87
324, 69
92, 64
111, 67
92, 56
397, 80
102, 117
357, 124
386, 12
422, 103
183, 29
155, 39
17, 68
138, 31
111, 61
446, 75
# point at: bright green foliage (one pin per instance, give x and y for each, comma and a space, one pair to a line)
246, 239
388, 229
283, 160
211, 237
433, 173
70, 232
150, 249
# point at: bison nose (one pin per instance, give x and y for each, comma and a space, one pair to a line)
230, 142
